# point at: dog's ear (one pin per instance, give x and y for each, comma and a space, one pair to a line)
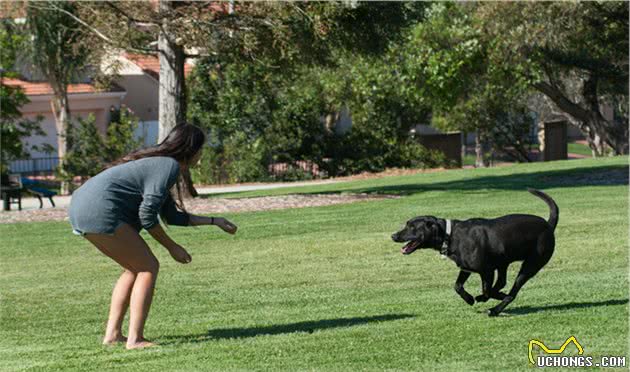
430, 223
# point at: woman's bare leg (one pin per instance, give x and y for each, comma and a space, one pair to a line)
120, 303
141, 297
128, 249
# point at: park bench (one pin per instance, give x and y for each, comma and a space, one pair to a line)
11, 191
40, 192
14, 185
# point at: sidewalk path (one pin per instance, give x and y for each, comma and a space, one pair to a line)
31, 203
205, 190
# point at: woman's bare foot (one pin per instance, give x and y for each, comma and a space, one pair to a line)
112, 340
139, 344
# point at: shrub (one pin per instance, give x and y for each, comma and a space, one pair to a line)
86, 150
237, 160
89, 153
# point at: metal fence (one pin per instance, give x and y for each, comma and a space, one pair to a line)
34, 166
46, 167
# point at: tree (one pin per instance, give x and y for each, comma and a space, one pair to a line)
576, 54
89, 152
479, 64
272, 108
60, 52
193, 29
86, 150
120, 138
13, 128
448, 63
275, 34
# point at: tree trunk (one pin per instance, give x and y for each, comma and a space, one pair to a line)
61, 110
593, 139
481, 150
598, 131
463, 147
605, 131
172, 93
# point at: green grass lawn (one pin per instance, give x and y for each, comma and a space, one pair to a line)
578, 148
469, 160
325, 288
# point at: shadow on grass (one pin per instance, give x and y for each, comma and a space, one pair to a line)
569, 306
307, 327
575, 177
612, 175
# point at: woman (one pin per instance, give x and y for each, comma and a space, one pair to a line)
111, 208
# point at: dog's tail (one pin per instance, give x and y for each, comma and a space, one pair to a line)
554, 211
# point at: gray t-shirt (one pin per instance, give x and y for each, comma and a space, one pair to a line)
135, 193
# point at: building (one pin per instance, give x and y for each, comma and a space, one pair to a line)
136, 87
139, 76
84, 99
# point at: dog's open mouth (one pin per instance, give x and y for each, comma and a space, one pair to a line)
410, 247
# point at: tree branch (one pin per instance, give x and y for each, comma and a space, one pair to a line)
199, 55
90, 28
133, 19
563, 102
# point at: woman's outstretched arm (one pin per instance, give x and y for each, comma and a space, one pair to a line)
223, 223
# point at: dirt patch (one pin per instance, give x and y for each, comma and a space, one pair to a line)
267, 203
215, 205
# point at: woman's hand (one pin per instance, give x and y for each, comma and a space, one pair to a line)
225, 225
179, 254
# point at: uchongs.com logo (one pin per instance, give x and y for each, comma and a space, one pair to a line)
553, 357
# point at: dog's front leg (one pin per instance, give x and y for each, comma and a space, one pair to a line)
459, 287
486, 286
499, 284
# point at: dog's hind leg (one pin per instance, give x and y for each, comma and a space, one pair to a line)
487, 278
531, 266
522, 278
499, 284
459, 287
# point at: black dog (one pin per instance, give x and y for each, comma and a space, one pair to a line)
482, 246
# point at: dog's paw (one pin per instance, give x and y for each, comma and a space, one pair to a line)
469, 300
481, 298
493, 312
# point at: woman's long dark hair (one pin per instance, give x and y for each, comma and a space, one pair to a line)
181, 144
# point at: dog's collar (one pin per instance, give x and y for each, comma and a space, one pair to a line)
447, 239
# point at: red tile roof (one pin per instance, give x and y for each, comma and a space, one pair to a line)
42, 88
12, 9
151, 64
